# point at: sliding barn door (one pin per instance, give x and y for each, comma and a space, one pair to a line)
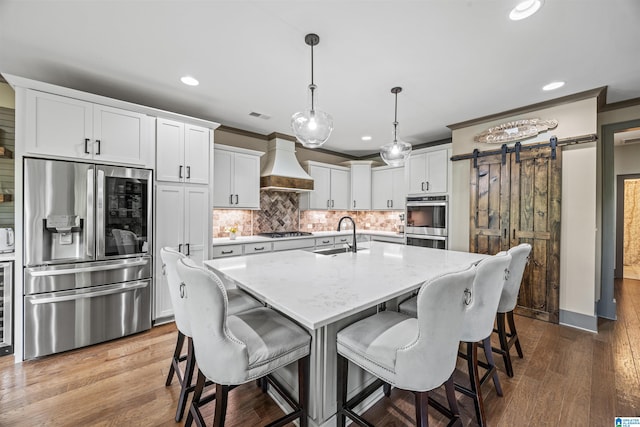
519, 202
536, 183
489, 219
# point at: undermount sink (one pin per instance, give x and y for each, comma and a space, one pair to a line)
334, 251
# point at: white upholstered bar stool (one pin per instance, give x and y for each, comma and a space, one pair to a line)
478, 327
239, 348
508, 299
238, 301
416, 354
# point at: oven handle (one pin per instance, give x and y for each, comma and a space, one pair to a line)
425, 237
120, 289
426, 204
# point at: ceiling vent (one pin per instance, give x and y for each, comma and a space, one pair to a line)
260, 115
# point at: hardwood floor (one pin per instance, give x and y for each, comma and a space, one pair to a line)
568, 377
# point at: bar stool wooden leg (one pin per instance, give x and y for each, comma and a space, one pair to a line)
386, 389
450, 389
186, 380
222, 396
343, 371
194, 410
175, 359
486, 343
504, 345
513, 333
303, 389
422, 408
474, 378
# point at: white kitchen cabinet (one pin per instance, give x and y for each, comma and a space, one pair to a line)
182, 152
236, 178
360, 186
67, 127
427, 172
331, 187
182, 223
387, 188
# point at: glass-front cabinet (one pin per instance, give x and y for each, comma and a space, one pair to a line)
6, 305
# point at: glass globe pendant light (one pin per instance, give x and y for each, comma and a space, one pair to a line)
312, 127
397, 151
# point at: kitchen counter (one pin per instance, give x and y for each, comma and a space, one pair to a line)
325, 293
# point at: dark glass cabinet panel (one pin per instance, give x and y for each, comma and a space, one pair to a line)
6, 316
126, 212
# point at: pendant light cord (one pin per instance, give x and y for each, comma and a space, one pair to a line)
395, 122
312, 86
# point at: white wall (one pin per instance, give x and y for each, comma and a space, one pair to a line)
578, 203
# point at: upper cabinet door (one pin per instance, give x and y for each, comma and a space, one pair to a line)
196, 154
320, 197
246, 179
417, 173
119, 135
67, 127
58, 126
360, 187
398, 192
169, 150
222, 178
437, 165
339, 189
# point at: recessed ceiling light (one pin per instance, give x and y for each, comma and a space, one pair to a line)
366, 138
525, 9
190, 81
553, 86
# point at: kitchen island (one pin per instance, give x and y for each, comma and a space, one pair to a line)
325, 293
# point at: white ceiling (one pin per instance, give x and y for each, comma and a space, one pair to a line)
455, 59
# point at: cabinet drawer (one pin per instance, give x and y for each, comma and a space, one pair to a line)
324, 241
224, 251
287, 245
256, 248
341, 240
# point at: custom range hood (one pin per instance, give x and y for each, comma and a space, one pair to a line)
282, 172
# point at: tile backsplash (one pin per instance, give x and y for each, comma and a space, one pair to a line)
279, 211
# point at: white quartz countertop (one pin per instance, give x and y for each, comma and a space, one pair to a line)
222, 241
316, 290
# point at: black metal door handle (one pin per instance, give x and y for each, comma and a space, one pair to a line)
180, 172
188, 172
86, 146
188, 249
99, 150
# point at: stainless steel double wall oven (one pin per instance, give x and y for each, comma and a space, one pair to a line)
87, 254
426, 221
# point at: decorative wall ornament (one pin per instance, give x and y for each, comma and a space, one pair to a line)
515, 130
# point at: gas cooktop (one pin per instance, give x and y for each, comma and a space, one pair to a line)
277, 234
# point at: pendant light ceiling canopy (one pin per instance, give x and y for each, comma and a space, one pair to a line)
397, 151
312, 127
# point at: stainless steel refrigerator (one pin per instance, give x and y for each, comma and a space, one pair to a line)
87, 254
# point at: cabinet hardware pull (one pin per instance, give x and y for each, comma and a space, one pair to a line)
328, 203
354, 203
427, 185
514, 233
504, 233
86, 146
180, 172
259, 249
99, 150
188, 172
230, 197
333, 203
188, 245
391, 203
180, 247
326, 241
227, 252
422, 186
237, 199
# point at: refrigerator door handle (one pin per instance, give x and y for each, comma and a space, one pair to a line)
100, 212
130, 286
90, 225
115, 266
